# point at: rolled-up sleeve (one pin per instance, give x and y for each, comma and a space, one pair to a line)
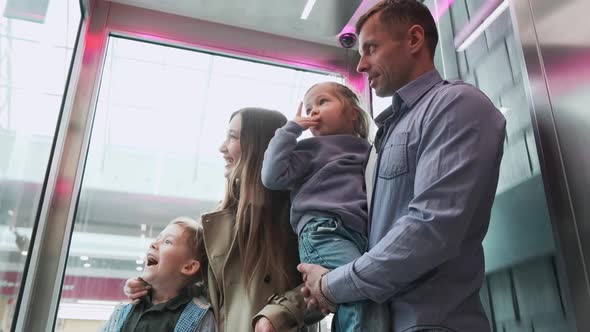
461, 143
288, 312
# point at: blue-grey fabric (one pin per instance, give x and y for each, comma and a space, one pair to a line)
324, 241
149, 316
195, 317
324, 174
439, 148
117, 319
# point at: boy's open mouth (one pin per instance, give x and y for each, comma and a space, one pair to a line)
151, 261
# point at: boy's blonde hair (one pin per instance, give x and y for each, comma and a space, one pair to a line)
349, 98
195, 239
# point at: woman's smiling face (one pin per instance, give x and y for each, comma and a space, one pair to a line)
230, 148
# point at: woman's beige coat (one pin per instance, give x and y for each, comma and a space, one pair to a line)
233, 309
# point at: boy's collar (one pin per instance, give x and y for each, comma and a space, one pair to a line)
174, 303
181, 299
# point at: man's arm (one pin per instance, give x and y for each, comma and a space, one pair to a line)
461, 145
282, 165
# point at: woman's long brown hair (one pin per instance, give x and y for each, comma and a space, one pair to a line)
262, 215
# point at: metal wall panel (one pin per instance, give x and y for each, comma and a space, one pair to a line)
556, 53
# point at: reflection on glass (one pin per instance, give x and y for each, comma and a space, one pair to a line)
31, 91
161, 115
379, 103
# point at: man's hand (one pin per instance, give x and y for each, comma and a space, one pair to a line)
312, 274
135, 289
263, 325
306, 122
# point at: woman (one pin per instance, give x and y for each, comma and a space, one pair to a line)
252, 274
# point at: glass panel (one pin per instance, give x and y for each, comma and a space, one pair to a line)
161, 115
31, 91
522, 290
379, 103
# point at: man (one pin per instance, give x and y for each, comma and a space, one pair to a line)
431, 181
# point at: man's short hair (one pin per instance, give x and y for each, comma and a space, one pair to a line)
407, 11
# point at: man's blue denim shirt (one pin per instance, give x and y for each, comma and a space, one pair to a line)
437, 160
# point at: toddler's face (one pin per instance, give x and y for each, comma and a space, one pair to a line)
334, 116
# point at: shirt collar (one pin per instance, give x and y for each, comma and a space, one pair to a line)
179, 300
409, 94
182, 298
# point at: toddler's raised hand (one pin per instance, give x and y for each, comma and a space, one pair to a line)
306, 122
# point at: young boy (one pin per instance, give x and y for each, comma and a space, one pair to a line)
175, 261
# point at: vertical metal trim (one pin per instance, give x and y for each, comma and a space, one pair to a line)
84, 8
439, 29
515, 303
570, 260
528, 152
49, 179
41, 290
491, 304
558, 285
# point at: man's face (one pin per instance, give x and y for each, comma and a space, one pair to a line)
385, 56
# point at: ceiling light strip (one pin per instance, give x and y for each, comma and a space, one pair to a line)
462, 43
307, 9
